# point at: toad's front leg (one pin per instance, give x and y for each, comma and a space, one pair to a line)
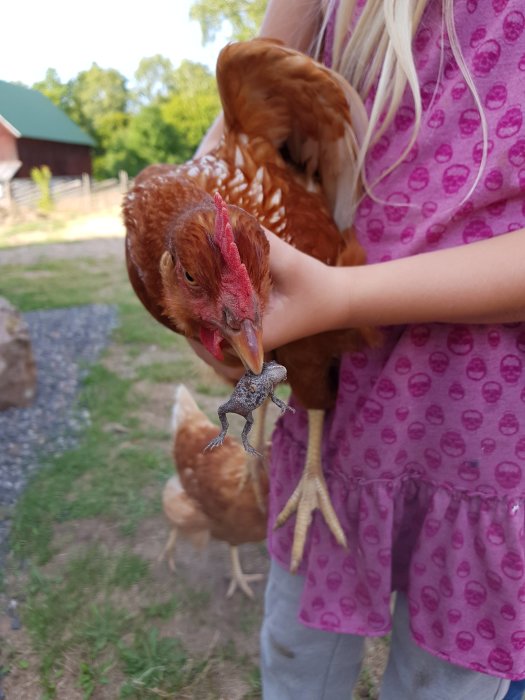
283, 406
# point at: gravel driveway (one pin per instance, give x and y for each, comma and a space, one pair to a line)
65, 342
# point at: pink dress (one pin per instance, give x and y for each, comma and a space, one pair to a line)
424, 454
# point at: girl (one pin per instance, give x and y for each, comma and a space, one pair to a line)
425, 452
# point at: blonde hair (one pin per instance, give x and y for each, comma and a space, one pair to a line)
378, 55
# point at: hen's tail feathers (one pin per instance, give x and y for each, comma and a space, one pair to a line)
288, 98
184, 408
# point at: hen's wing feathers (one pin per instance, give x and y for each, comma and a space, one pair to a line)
271, 90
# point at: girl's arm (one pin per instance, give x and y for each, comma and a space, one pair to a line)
294, 22
483, 282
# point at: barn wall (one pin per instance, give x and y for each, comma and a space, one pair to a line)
61, 158
8, 150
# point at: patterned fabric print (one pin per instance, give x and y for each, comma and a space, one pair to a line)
425, 452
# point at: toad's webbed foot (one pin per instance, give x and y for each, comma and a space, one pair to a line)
216, 442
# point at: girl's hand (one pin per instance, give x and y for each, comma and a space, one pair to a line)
302, 295
483, 282
230, 374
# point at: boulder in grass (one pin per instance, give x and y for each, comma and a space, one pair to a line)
17, 366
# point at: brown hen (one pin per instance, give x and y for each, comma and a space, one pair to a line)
201, 266
210, 496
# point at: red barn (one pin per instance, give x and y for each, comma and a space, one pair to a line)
34, 132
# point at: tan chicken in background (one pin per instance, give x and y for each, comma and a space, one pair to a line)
201, 267
210, 496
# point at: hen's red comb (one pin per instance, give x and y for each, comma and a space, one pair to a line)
226, 243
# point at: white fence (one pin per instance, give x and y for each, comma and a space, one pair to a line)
69, 193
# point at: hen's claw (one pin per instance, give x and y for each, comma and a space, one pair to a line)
168, 550
239, 578
310, 493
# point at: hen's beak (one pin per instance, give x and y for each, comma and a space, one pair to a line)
247, 343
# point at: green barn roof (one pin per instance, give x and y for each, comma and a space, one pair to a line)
30, 114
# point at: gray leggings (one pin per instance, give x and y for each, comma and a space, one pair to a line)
300, 663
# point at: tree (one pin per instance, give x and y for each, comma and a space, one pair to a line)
244, 16
192, 107
146, 138
194, 78
96, 92
59, 93
191, 117
154, 78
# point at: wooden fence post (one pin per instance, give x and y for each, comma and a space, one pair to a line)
8, 195
86, 191
123, 180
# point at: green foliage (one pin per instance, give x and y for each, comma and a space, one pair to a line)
52, 87
42, 178
147, 138
164, 114
191, 117
154, 79
244, 17
95, 93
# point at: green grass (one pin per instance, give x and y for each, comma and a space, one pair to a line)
75, 596
163, 609
163, 372
48, 225
129, 570
60, 615
216, 390
83, 483
138, 329
63, 283
152, 661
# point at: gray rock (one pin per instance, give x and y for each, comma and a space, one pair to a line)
65, 343
17, 366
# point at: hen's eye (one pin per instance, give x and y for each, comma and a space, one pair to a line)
189, 278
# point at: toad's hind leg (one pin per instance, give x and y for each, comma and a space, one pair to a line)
217, 441
244, 435
310, 493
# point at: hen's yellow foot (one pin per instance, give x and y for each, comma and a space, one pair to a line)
168, 550
310, 493
239, 578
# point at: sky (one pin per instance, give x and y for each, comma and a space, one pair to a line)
69, 36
